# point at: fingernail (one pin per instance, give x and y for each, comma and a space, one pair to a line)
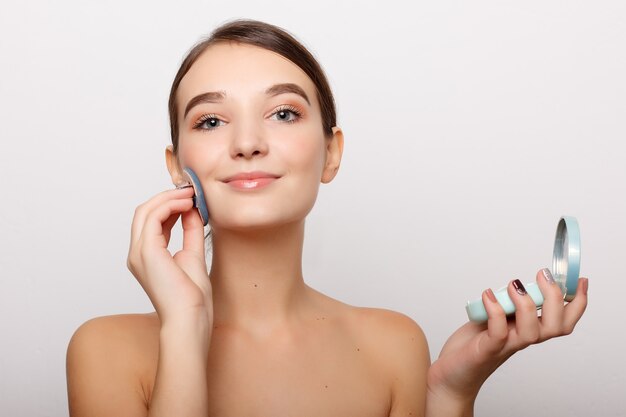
491, 295
585, 285
548, 275
517, 284
180, 187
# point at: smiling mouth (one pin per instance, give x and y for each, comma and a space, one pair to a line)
250, 180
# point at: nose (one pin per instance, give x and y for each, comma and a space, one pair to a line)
249, 142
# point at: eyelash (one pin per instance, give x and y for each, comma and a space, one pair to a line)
291, 109
198, 124
298, 115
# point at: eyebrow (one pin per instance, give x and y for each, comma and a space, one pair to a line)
210, 97
277, 89
218, 96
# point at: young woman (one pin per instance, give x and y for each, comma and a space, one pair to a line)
253, 116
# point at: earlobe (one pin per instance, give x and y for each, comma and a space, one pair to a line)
173, 166
334, 150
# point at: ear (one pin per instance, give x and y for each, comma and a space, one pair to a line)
173, 166
334, 150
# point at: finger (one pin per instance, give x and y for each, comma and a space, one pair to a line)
193, 233
153, 227
143, 210
167, 229
551, 323
575, 309
168, 225
497, 327
193, 244
526, 321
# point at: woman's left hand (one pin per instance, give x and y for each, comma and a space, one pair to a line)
475, 351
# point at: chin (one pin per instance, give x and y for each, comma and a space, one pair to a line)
257, 221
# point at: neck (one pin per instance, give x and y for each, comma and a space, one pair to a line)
256, 276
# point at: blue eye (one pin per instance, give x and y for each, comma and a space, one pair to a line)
287, 114
208, 122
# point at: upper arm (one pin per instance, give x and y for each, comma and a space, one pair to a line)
102, 379
409, 360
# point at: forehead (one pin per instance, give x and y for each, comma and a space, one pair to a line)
241, 70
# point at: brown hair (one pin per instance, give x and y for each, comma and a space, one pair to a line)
269, 37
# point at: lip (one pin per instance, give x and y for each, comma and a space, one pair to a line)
250, 180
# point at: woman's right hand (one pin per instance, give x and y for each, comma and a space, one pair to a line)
177, 285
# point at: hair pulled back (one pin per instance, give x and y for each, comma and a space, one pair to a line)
272, 38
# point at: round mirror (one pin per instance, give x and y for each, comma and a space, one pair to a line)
566, 256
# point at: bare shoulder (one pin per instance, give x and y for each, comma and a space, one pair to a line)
383, 329
118, 334
385, 318
402, 354
111, 356
391, 331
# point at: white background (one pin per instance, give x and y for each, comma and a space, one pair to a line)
471, 127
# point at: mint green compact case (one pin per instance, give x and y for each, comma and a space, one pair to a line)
565, 269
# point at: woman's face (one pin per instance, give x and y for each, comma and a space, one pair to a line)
249, 113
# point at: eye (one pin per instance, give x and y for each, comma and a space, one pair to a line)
287, 114
208, 122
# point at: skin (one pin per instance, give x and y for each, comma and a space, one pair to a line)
273, 345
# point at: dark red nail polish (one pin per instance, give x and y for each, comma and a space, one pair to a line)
519, 287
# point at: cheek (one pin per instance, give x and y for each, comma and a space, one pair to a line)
305, 153
201, 156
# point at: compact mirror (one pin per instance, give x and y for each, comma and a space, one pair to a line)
566, 256
565, 270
